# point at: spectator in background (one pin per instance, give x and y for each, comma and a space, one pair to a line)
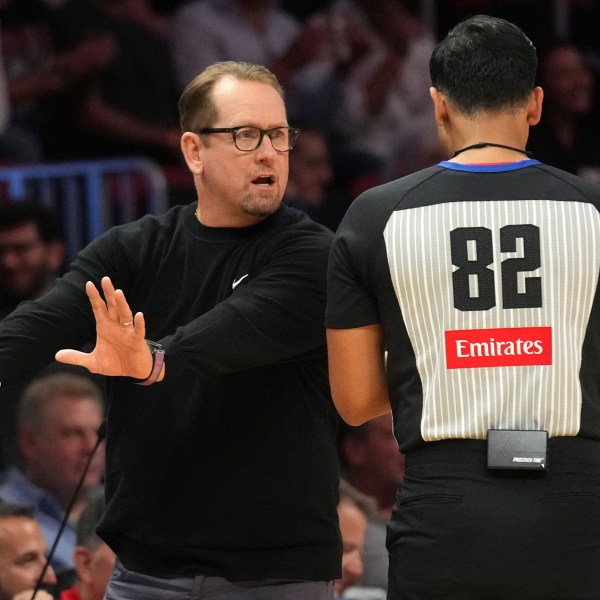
94, 560
311, 182
568, 134
32, 252
22, 554
261, 32
31, 257
130, 107
58, 420
353, 509
42, 81
363, 77
204, 32
371, 463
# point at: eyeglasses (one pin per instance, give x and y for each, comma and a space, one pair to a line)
248, 138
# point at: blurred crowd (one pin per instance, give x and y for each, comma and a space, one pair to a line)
87, 79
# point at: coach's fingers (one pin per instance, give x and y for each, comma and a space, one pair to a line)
73, 357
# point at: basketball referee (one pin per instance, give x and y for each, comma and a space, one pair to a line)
479, 276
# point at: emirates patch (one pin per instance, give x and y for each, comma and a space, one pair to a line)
506, 347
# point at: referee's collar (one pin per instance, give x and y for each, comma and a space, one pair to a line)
489, 167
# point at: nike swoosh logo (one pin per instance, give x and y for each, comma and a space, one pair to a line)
237, 282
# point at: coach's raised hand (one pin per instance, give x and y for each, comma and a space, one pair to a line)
121, 348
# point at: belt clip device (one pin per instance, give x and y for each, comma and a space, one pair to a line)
515, 449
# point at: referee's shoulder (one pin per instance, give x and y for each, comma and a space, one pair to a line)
588, 190
383, 197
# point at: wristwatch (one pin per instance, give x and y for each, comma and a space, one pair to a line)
158, 359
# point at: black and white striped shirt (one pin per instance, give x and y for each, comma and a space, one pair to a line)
485, 280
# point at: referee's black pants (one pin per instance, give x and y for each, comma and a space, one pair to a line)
462, 532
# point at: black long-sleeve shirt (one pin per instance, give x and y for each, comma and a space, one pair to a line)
228, 466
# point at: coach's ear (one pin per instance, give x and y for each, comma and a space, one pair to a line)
534, 107
191, 148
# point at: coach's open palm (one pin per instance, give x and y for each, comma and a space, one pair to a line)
120, 349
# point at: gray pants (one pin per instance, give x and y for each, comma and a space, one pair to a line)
130, 585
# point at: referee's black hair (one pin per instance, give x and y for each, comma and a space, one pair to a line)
484, 64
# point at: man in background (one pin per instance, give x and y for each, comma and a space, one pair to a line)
58, 421
353, 510
371, 463
32, 252
311, 186
22, 554
94, 560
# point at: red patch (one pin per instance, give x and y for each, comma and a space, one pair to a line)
507, 347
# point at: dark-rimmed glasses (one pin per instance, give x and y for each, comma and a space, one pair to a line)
248, 138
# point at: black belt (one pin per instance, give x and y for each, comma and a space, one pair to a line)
560, 449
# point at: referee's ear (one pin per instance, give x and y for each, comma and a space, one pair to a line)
440, 106
534, 107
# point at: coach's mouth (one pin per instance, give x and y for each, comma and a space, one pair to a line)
264, 180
